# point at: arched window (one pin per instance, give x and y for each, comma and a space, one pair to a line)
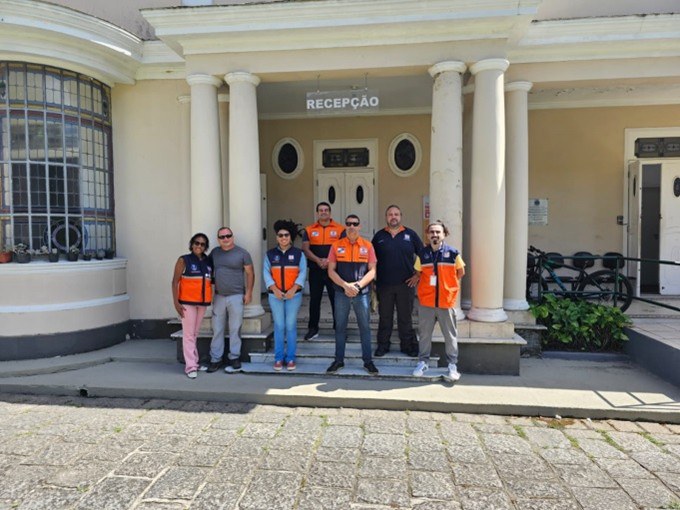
56, 170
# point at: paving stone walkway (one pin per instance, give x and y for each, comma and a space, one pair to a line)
99, 453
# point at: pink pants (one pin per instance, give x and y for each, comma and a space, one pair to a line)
191, 323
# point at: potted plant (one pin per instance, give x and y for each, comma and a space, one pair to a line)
53, 256
108, 254
72, 255
22, 254
6, 255
99, 255
87, 256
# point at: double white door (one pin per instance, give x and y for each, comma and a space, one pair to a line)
349, 192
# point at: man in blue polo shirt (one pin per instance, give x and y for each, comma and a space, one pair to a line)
396, 248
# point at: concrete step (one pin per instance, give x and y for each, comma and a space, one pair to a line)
323, 353
349, 371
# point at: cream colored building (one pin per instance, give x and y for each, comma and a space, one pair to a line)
131, 125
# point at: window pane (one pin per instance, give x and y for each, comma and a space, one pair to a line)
57, 188
38, 188
5, 188
4, 136
17, 129
70, 91
55, 140
17, 84
19, 187
34, 86
73, 189
39, 232
53, 88
72, 142
36, 139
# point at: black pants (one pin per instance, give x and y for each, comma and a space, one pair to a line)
402, 296
318, 279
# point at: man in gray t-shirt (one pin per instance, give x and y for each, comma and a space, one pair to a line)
234, 280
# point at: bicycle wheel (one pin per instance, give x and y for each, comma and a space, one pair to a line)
600, 287
532, 291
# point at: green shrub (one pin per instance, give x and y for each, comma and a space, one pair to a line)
578, 325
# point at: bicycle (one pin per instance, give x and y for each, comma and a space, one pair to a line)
606, 287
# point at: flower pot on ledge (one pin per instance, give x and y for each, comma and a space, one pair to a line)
22, 258
5, 257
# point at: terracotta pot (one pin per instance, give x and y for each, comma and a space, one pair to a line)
5, 257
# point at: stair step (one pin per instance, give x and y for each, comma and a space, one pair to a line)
323, 353
389, 372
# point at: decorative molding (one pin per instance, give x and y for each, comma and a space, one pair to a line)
448, 66
60, 307
490, 64
241, 77
518, 86
47, 268
204, 79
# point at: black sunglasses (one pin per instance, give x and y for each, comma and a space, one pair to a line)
351, 223
225, 236
283, 234
198, 243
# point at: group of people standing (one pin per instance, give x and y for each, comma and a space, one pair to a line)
339, 260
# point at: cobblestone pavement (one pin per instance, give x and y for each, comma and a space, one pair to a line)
98, 453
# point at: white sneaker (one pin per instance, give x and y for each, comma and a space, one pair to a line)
420, 369
192, 375
452, 375
203, 368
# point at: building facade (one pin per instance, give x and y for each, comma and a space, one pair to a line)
126, 128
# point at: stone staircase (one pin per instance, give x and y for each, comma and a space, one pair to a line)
484, 348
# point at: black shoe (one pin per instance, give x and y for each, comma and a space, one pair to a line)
371, 368
335, 366
411, 352
233, 365
312, 334
381, 351
214, 367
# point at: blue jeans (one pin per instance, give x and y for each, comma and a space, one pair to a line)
284, 313
361, 306
234, 306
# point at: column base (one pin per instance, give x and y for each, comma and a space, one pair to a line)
487, 314
252, 311
515, 304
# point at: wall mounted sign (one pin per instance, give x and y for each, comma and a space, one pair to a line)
538, 211
342, 101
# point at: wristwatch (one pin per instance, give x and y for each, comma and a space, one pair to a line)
358, 287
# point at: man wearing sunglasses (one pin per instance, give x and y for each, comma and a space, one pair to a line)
351, 267
234, 280
317, 239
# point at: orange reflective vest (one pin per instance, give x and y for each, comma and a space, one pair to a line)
321, 238
195, 284
438, 286
285, 267
352, 260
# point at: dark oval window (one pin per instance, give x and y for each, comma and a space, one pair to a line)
360, 194
288, 158
676, 186
331, 195
405, 155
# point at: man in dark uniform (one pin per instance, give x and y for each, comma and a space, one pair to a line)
317, 239
396, 248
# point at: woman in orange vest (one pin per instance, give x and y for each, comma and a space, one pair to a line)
284, 272
192, 294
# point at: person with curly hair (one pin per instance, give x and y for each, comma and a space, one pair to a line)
284, 273
191, 295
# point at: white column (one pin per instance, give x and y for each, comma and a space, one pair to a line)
223, 100
446, 152
244, 175
517, 194
487, 192
206, 172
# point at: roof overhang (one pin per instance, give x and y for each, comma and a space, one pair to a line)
50, 34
